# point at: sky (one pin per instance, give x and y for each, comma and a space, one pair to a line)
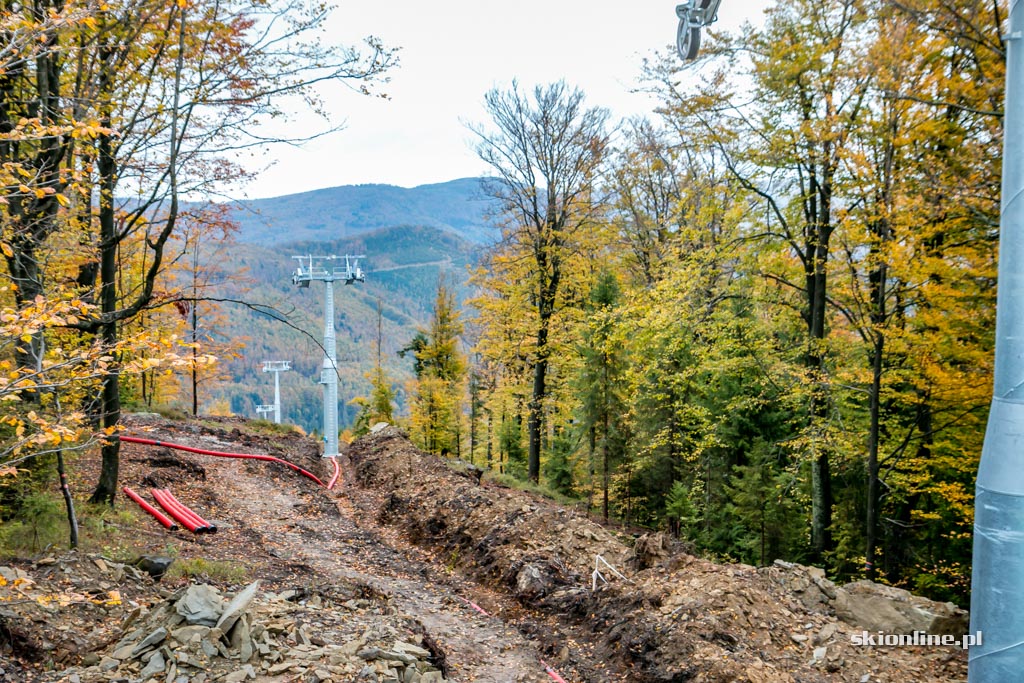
452, 53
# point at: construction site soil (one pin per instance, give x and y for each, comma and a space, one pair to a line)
410, 569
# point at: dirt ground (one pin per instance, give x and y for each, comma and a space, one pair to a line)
497, 584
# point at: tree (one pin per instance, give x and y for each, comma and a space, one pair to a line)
600, 381
436, 409
547, 154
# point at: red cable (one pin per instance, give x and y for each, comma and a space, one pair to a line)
201, 451
183, 519
157, 515
551, 672
337, 471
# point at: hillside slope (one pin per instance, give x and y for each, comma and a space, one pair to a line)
409, 571
458, 206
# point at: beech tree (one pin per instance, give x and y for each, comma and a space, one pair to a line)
547, 152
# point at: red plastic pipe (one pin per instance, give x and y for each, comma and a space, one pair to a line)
183, 519
212, 528
157, 515
220, 454
551, 672
169, 502
337, 471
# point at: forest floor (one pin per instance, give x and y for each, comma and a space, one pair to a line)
480, 582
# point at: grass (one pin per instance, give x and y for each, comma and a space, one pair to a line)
42, 524
528, 486
220, 571
271, 428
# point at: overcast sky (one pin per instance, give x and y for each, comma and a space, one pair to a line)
452, 52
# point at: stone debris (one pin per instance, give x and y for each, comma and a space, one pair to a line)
198, 635
871, 606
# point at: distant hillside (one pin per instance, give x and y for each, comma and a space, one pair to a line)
459, 206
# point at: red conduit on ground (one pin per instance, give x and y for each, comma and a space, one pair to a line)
212, 528
168, 498
183, 519
201, 451
157, 515
551, 672
337, 471
475, 606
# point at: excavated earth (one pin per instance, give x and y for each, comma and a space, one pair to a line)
410, 570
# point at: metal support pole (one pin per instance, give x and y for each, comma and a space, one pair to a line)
277, 367
277, 398
997, 582
329, 376
308, 271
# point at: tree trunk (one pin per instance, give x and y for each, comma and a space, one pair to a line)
69, 502
535, 423
106, 487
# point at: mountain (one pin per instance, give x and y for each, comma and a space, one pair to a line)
458, 206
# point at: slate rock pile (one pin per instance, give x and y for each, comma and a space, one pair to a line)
197, 635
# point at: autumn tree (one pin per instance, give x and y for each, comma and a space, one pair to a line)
440, 367
546, 152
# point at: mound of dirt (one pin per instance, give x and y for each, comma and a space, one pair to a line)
660, 613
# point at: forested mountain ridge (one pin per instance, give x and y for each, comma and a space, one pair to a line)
460, 206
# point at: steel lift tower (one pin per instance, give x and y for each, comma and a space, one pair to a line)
997, 583
323, 268
277, 367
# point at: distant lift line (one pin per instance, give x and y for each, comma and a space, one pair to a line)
322, 268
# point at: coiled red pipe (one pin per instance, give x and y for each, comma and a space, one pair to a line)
174, 512
201, 451
204, 525
337, 471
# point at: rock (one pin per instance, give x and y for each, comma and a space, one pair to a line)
798, 638
379, 426
153, 638
154, 565
241, 640
186, 634
155, 666
825, 634
820, 653
246, 672
874, 607
410, 649
124, 652
201, 604
281, 668
109, 663
531, 582
236, 608
648, 551
432, 677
